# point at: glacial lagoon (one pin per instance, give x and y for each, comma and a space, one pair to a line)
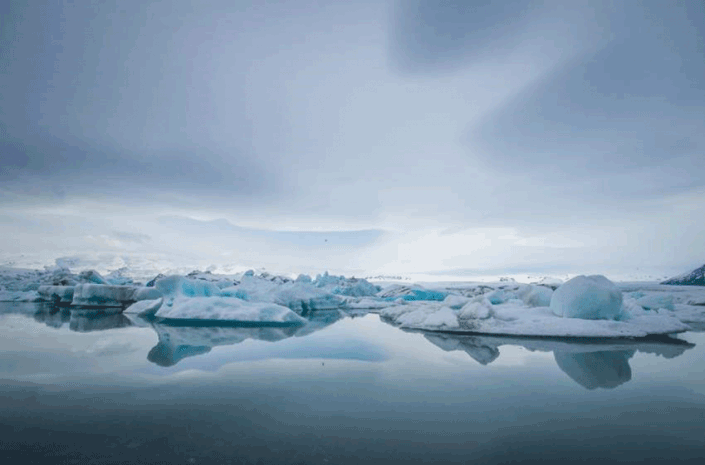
345, 388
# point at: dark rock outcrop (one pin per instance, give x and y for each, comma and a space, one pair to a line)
694, 278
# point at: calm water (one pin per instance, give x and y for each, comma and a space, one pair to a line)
341, 390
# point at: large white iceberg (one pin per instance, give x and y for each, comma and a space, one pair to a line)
192, 299
588, 298
226, 309
514, 317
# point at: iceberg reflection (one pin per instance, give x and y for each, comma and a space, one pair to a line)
592, 370
179, 342
592, 364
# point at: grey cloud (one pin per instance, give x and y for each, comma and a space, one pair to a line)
86, 169
435, 36
431, 35
138, 238
634, 108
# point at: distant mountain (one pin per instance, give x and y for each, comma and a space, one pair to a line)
694, 278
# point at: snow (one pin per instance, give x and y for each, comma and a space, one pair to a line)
589, 298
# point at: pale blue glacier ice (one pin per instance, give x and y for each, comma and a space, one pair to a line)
412, 293
60, 295
299, 296
226, 309
173, 286
588, 298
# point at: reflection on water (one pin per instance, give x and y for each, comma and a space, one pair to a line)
590, 363
592, 370
178, 342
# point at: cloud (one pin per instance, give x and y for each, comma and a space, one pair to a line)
632, 106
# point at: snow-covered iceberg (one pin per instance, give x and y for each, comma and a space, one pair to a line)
512, 315
230, 309
192, 299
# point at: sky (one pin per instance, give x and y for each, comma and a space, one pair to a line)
450, 138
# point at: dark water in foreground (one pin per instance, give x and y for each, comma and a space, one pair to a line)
341, 390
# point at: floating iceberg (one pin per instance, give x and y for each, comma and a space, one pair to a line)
224, 309
514, 317
59, 295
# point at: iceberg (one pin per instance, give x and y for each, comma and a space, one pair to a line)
480, 316
99, 295
145, 308
223, 309
58, 295
173, 286
299, 296
411, 293
588, 298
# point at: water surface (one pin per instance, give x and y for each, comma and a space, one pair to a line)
341, 389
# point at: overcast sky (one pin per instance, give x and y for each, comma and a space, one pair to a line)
358, 136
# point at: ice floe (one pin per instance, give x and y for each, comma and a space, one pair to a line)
503, 312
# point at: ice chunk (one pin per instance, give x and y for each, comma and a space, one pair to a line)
91, 276
175, 286
19, 296
98, 295
341, 285
500, 296
589, 298
60, 295
479, 308
426, 316
366, 303
442, 319
227, 309
455, 301
538, 296
301, 296
145, 307
656, 301
411, 293
145, 293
